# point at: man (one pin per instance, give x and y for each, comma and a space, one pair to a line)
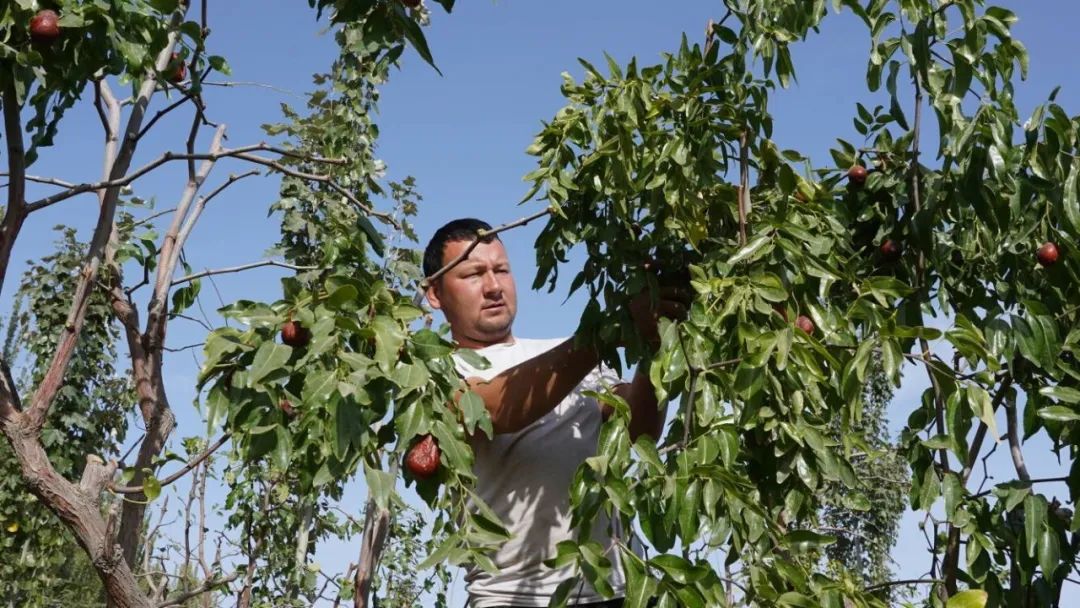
544, 427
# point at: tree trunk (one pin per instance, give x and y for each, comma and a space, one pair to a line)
78, 506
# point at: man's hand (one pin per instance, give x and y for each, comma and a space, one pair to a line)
671, 303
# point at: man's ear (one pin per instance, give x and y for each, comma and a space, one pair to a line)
432, 293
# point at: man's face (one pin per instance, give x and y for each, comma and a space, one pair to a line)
478, 295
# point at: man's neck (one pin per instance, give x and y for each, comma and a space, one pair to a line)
477, 344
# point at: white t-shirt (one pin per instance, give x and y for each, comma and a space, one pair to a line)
525, 478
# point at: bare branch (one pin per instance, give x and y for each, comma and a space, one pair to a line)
172, 244
181, 349
480, 236
185, 97
206, 587
241, 268
16, 210
1014, 442
194, 462
910, 581
980, 433
9, 395
243, 83
153, 217
232, 180
744, 186
196, 213
54, 375
243, 153
1029, 482
52, 181
376, 526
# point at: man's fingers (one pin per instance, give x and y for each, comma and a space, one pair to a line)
680, 294
672, 309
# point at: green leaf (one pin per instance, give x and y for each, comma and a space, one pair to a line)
380, 485
640, 587
1061, 393
563, 591
793, 598
475, 414
1059, 413
415, 36
410, 376
972, 598
282, 448
270, 358
1049, 552
805, 540
982, 406
183, 298
645, 448
450, 546
1071, 200
1034, 518
679, 569
458, 458
389, 338
151, 486
428, 345
749, 250
472, 358
954, 493
217, 406
318, 385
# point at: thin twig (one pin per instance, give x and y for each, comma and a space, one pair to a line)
480, 236
910, 581
259, 264
1014, 442
744, 186
243, 153
1028, 482
206, 587
194, 462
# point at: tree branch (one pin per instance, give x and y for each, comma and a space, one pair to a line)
194, 462
1014, 443
744, 186
376, 526
910, 581
241, 268
173, 243
481, 235
16, 210
980, 433
242, 153
53, 377
206, 587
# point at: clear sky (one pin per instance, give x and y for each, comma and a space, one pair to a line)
463, 136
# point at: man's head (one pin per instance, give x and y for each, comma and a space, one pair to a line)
477, 295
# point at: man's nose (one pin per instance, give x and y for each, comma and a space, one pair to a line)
491, 283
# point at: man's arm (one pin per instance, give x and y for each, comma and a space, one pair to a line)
522, 394
646, 415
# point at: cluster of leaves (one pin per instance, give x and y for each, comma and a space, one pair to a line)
649, 166
87, 417
397, 580
366, 385
865, 536
97, 40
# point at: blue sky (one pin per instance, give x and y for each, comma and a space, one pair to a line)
463, 136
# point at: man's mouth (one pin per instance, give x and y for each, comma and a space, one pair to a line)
494, 306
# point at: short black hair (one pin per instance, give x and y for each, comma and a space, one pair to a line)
463, 229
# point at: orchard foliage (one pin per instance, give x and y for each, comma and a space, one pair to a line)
667, 176
674, 164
